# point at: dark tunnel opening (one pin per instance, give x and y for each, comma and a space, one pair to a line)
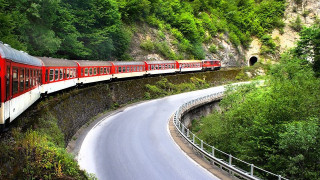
253, 60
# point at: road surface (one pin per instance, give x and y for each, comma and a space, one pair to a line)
136, 144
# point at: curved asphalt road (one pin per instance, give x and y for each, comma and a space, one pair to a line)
136, 144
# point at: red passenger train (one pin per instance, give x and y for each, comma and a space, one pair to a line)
24, 78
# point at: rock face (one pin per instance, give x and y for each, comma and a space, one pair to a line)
308, 11
229, 55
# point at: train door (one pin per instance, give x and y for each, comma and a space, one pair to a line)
8, 88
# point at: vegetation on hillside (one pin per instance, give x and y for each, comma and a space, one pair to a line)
102, 29
275, 126
37, 152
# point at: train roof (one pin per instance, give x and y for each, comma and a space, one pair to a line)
211, 60
14, 55
159, 62
54, 62
125, 63
93, 63
188, 61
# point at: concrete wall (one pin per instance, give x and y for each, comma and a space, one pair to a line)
75, 107
198, 112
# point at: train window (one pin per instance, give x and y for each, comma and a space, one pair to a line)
75, 72
105, 70
123, 69
119, 70
51, 75
14, 81
68, 73
71, 73
36, 77
156, 67
56, 74
128, 69
8, 83
46, 76
134, 69
82, 71
61, 74
95, 71
21, 80
90, 71
65, 74
33, 78
30, 78
86, 72
27, 79
39, 75
166, 66
101, 70
152, 67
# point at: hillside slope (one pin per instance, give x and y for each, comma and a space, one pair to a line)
109, 29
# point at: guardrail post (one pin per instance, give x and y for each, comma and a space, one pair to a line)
279, 177
202, 144
193, 138
188, 133
230, 159
251, 170
212, 151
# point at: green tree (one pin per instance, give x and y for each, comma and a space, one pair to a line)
309, 46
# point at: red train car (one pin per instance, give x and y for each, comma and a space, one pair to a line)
58, 74
126, 69
20, 80
94, 71
161, 67
211, 64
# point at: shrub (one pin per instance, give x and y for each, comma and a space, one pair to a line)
198, 51
147, 45
296, 25
213, 48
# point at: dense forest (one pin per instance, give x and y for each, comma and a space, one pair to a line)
102, 29
275, 126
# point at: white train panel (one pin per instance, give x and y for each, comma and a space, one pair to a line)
19, 104
162, 71
191, 69
132, 74
57, 86
85, 80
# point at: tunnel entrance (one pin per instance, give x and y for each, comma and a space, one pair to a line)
253, 60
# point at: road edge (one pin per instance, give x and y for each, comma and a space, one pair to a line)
184, 146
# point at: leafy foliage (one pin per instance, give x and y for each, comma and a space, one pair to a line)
38, 153
309, 46
94, 29
274, 126
165, 88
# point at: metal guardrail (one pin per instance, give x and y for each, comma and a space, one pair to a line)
235, 166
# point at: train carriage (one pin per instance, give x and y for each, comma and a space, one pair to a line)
128, 69
94, 71
189, 65
161, 67
20, 80
211, 64
58, 74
